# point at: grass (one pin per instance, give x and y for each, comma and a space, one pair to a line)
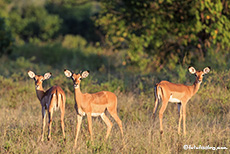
207, 122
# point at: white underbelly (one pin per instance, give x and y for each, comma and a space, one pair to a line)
174, 100
96, 114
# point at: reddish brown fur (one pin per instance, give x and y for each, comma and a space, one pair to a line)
164, 90
49, 100
91, 104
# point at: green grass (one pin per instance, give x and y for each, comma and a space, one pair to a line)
207, 120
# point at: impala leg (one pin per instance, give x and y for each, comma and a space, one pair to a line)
89, 118
62, 120
155, 108
161, 112
117, 119
79, 121
179, 106
184, 119
108, 123
50, 115
43, 123
180, 118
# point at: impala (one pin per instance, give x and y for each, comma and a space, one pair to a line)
93, 105
52, 99
177, 93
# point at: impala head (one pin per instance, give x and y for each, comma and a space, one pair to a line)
199, 74
39, 78
76, 77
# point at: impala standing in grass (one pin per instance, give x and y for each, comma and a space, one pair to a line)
50, 100
93, 105
177, 93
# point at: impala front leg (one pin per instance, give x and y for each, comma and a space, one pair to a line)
89, 118
184, 119
79, 121
43, 123
180, 118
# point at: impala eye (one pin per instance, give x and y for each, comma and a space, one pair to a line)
80, 78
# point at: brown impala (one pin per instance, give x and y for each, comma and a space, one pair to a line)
93, 105
177, 93
50, 100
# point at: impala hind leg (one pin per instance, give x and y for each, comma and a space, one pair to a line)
50, 115
155, 108
156, 104
79, 121
108, 123
62, 122
43, 123
62, 117
161, 112
113, 113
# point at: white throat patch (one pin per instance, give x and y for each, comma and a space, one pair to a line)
75, 87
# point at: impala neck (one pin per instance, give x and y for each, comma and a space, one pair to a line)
40, 93
78, 94
195, 87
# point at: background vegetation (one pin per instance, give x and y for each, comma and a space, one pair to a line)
128, 46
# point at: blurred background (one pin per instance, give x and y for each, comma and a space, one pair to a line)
128, 46
114, 35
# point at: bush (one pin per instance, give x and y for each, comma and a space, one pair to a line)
6, 39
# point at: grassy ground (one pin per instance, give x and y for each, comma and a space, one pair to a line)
207, 120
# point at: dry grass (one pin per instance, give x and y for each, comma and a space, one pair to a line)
20, 125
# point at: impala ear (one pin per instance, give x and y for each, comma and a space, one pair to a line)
47, 76
84, 74
191, 69
31, 74
207, 70
68, 73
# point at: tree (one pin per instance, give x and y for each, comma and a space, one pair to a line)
165, 32
76, 16
6, 40
33, 21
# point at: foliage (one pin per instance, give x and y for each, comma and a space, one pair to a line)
72, 52
76, 16
165, 32
6, 39
34, 22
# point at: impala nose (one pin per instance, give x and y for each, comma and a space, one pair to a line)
75, 85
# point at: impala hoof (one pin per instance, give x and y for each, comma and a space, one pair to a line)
49, 138
161, 132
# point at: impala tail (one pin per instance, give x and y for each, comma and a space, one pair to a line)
158, 96
56, 98
59, 99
